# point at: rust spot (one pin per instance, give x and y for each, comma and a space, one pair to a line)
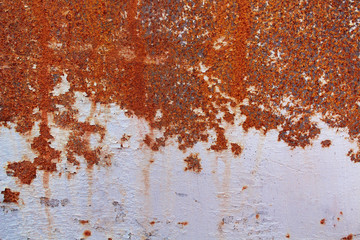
10, 196
25, 171
338, 219
287, 235
183, 223
341, 213
244, 187
257, 216
322, 221
125, 138
193, 163
152, 222
83, 222
325, 143
87, 233
236, 149
348, 237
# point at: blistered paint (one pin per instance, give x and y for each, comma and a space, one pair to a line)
179, 119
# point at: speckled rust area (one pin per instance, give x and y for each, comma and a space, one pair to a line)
10, 196
193, 163
326, 143
186, 67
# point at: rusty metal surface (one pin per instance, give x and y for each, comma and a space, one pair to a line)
179, 119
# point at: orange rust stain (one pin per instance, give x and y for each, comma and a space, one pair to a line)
152, 222
325, 143
83, 222
244, 187
338, 219
257, 216
289, 61
87, 233
322, 221
25, 171
348, 237
302, 57
193, 163
287, 235
236, 149
10, 196
183, 223
341, 213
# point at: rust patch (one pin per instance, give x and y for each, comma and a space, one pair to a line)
83, 222
152, 222
185, 74
87, 233
323, 221
244, 187
257, 216
348, 237
325, 143
287, 235
236, 149
25, 171
183, 223
10, 196
193, 163
112, 59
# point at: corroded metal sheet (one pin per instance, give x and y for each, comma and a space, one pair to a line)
232, 119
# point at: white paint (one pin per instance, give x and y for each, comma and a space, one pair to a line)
291, 190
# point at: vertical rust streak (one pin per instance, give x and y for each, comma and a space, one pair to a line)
136, 68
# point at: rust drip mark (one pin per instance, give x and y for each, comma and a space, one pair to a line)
287, 235
323, 221
87, 233
10, 196
325, 143
348, 237
236, 149
193, 163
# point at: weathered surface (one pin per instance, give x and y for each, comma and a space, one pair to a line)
179, 119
